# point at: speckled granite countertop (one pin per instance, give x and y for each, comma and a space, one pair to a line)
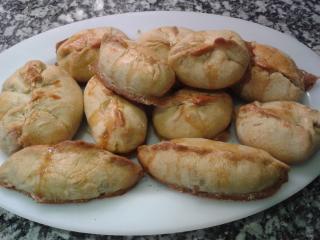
295, 218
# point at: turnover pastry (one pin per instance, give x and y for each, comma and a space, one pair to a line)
214, 169
68, 172
76, 53
273, 76
116, 124
287, 130
190, 113
39, 104
130, 70
160, 40
209, 59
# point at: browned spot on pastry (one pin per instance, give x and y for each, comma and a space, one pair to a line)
202, 50
167, 145
58, 44
308, 79
273, 60
223, 136
56, 83
197, 98
263, 111
113, 38
42, 171
55, 96
31, 72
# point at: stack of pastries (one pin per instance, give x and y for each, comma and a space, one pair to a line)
182, 80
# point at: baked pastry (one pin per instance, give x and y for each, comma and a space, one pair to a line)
116, 124
39, 104
129, 69
160, 40
287, 130
190, 113
68, 172
209, 59
76, 53
272, 76
214, 169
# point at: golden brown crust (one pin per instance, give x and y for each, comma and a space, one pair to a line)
309, 80
116, 124
274, 60
272, 76
190, 113
209, 59
287, 130
130, 70
128, 95
64, 172
36, 103
221, 196
77, 52
180, 147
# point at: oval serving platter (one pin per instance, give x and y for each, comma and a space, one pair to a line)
151, 208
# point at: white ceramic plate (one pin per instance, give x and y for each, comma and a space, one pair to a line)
151, 208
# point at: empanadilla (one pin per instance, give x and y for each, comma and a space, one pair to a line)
129, 69
116, 124
214, 169
160, 40
287, 130
190, 113
209, 59
76, 53
272, 76
39, 104
68, 172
